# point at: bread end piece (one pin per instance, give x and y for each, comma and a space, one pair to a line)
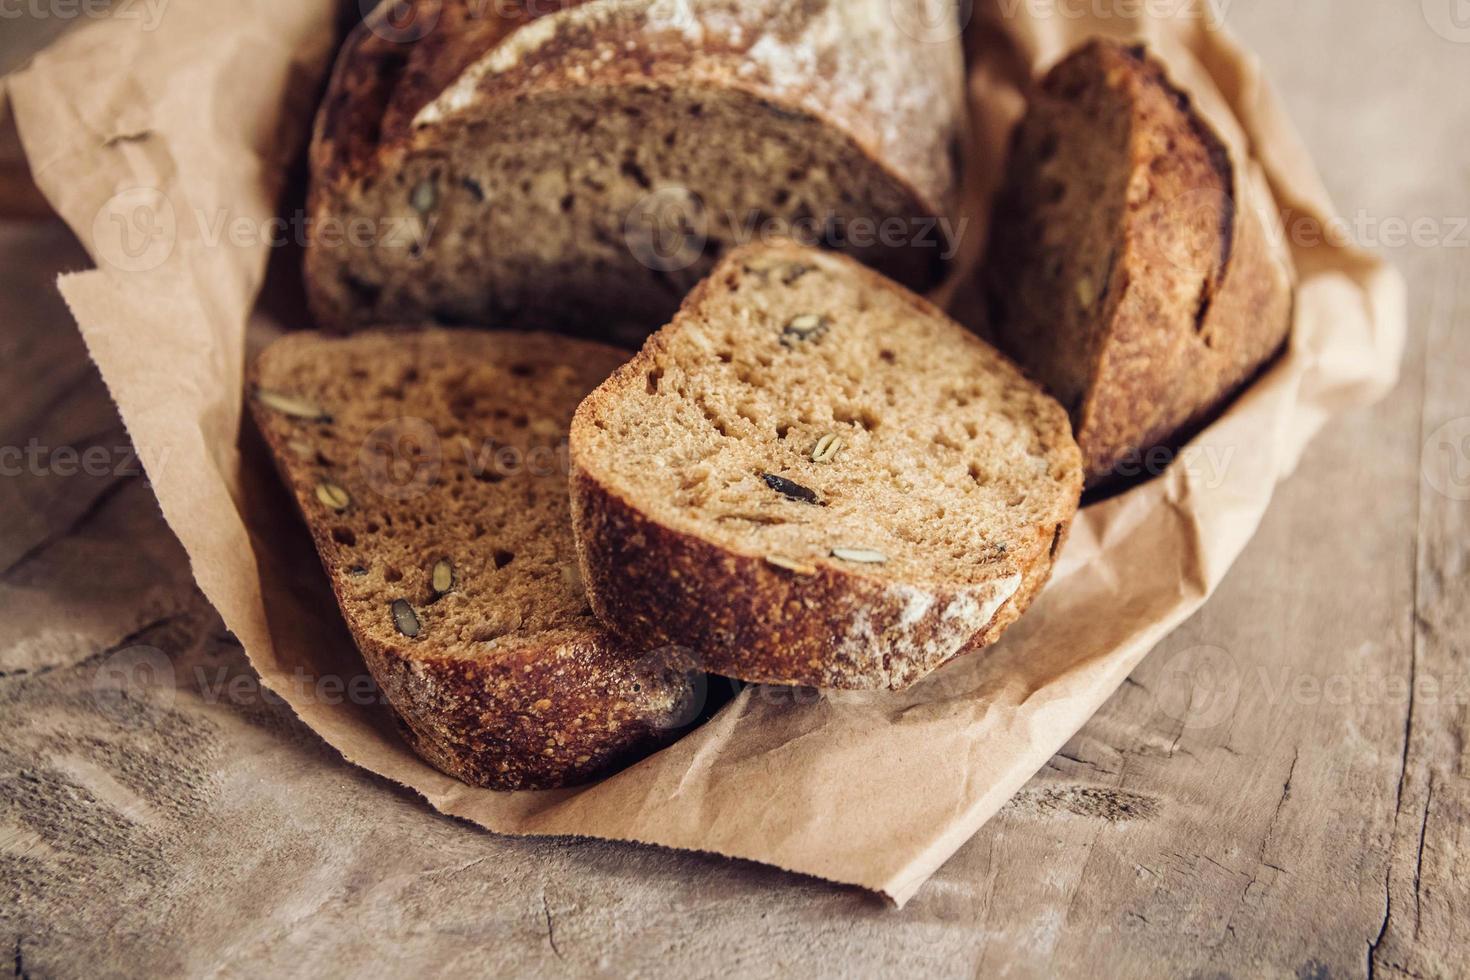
1130, 268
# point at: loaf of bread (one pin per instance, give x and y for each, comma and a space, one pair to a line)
581, 165
431, 470
813, 476
1130, 267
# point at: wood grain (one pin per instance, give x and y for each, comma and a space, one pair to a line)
1281, 789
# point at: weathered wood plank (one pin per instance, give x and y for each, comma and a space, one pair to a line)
1426, 927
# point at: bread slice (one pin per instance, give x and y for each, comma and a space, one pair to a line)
1129, 268
579, 166
812, 476
431, 469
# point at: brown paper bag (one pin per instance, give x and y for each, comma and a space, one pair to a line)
166, 150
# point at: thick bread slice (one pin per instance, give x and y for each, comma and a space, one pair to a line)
416, 455
574, 165
813, 476
1130, 269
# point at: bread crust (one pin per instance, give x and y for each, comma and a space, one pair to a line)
767, 624
1164, 362
543, 715
900, 104
550, 709
827, 627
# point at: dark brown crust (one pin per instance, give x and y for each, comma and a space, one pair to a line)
383, 76
364, 128
764, 623
488, 722
557, 709
1160, 370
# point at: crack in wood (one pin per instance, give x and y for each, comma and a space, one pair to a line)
1261, 854
128, 640
1084, 762
1276, 815
550, 927
1222, 867
114, 431
1398, 804
111, 490
84, 377
1419, 854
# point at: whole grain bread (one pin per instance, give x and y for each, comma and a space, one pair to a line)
431, 470
580, 165
813, 476
1130, 269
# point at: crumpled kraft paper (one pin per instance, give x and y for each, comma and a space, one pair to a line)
150, 141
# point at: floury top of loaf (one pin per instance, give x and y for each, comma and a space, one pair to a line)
584, 164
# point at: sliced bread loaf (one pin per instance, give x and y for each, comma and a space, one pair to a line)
431, 470
1130, 269
812, 476
563, 164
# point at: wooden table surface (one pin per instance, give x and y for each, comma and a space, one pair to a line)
1309, 817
